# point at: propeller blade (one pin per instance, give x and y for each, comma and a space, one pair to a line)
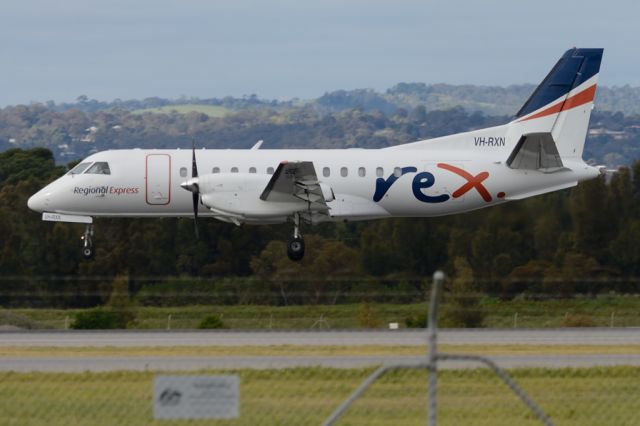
196, 188
194, 165
195, 197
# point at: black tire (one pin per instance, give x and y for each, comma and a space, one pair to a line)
88, 252
295, 249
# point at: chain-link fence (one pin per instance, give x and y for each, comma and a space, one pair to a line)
167, 375
297, 396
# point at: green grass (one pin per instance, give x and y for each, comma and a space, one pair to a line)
556, 312
210, 110
302, 396
500, 314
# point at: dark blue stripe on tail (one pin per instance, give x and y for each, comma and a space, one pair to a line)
574, 68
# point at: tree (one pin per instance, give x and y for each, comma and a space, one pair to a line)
120, 302
462, 304
590, 207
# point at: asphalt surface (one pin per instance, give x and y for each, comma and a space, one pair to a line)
565, 336
602, 336
186, 363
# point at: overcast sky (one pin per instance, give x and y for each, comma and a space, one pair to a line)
58, 50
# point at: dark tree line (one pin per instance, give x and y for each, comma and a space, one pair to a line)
585, 240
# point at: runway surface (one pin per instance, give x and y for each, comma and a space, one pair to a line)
322, 338
185, 363
564, 336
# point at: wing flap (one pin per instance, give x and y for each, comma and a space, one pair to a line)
296, 180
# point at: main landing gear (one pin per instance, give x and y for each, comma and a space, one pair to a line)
295, 245
88, 251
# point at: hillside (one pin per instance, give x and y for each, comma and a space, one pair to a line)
208, 110
357, 118
489, 100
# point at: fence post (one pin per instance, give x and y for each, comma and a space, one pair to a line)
438, 278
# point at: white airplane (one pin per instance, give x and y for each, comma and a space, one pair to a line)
538, 152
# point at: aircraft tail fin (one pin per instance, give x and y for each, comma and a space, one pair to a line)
561, 105
551, 126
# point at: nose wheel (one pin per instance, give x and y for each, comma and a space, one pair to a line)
295, 245
88, 250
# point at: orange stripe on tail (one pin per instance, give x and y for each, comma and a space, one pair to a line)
576, 100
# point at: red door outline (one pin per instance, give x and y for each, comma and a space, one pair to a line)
146, 179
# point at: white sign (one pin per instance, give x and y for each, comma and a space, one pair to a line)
57, 217
196, 397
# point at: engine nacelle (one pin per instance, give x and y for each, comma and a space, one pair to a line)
238, 194
232, 182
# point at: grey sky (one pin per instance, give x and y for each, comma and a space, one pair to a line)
297, 48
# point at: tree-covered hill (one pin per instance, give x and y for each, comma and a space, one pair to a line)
489, 100
73, 134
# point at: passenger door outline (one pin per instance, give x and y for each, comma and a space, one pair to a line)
158, 179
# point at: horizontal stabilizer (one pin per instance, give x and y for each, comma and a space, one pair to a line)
536, 151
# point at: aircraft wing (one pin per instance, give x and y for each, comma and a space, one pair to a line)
293, 181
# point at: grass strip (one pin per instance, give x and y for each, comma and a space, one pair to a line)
301, 396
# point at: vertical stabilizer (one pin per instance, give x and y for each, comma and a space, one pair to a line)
562, 103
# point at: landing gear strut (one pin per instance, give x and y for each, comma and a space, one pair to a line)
88, 250
295, 245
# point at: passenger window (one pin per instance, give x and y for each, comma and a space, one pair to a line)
379, 172
252, 169
183, 172
270, 170
344, 172
362, 172
397, 171
215, 170
234, 170
79, 168
326, 172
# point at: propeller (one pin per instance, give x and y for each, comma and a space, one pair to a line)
193, 186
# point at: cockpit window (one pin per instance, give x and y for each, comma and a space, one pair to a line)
99, 168
79, 168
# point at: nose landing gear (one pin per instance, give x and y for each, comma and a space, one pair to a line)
88, 251
295, 245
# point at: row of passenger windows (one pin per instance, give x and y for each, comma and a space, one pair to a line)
270, 170
326, 171
362, 172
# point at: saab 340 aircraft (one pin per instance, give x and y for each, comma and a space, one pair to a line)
539, 151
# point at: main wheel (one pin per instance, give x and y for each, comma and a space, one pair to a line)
88, 252
295, 249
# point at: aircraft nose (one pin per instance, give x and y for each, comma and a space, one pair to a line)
37, 202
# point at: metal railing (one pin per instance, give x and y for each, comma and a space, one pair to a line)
432, 367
